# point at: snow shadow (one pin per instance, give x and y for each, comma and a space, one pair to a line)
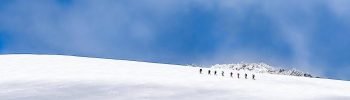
93, 91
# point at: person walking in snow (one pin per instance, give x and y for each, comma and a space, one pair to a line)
200, 71
253, 77
222, 73
245, 75
214, 72
209, 72
231, 74
238, 75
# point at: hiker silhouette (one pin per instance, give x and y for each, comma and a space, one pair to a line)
253, 77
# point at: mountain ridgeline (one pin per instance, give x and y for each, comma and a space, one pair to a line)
263, 68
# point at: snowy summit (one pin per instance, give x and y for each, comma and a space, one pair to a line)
262, 68
56, 77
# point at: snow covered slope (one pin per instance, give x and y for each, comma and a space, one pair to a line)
53, 77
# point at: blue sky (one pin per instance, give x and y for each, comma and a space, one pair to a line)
310, 35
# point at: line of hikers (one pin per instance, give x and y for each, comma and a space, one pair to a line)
231, 74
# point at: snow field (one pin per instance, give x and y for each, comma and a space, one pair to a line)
54, 77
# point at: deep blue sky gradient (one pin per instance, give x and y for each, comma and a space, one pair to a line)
312, 36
